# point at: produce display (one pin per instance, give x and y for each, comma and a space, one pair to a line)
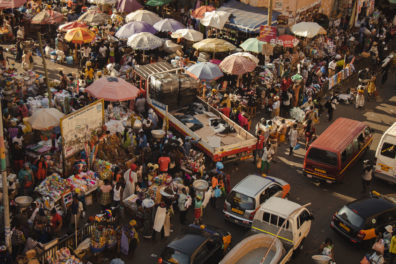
53, 186
103, 168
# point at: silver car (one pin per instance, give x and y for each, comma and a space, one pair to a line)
246, 197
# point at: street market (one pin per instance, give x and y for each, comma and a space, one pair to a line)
219, 131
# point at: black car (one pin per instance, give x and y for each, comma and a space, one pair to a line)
361, 220
199, 245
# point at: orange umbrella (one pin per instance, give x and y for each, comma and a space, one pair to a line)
74, 24
200, 11
80, 35
113, 89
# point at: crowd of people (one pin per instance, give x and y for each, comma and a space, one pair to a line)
290, 84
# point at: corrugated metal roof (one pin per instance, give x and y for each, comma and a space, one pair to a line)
339, 134
146, 70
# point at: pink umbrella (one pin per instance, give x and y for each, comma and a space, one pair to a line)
237, 65
4, 4
287, 41
48, 17
113, 89
74, 24
128, 6
215, 61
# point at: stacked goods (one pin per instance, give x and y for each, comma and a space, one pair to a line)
84, 181
188, 87
98, 240
103, 168
63, 256
165, 89
53, 186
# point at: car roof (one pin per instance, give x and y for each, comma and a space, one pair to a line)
281, 207
188, 243
252, 184
370, 206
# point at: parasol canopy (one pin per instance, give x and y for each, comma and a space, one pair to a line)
205, 71
143, 15
45, 118
237, 65
128, 6
168, 25
144, 41
5, 4
214, 45
73, 24
134, 27
171, 47
94, 17
200, 11
80, 35
216, 19
287, 41
102, 2
113, 89
248, 55
252, 45
188, 34
158, 2
307, 29
48, 17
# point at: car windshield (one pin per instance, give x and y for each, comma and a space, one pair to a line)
322, 156
173, 256
241, 201
350, 216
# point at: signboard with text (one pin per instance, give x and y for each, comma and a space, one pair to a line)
267, 33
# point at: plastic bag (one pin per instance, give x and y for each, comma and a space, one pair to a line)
217, 192
379, 246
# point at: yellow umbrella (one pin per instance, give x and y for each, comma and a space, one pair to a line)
214, 45
79, 35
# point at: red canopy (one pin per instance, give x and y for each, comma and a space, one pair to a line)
4, 4
74, 24
200, 11
113, 89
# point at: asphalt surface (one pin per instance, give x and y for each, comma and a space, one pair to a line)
325, 199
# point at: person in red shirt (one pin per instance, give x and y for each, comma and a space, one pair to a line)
56, 221
259, 146
163, 163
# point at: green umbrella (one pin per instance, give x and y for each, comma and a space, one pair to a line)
252, 45
158, 2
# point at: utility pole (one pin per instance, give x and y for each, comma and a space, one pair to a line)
45, 71
270, 12
6, 204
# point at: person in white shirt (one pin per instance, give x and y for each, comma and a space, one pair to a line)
293, 136
85, 54
332, 67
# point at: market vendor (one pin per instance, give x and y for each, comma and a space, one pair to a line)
56, 222
26, 180
42, 168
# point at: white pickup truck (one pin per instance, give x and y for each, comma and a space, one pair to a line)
285, 220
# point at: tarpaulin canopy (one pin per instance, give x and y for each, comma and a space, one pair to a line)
247, 18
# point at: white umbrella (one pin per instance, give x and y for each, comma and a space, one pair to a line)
144, 41
215, 19
307, 29
102, 2
143, 15
188, 34
168, 25
170, 46
45, 118
247, 55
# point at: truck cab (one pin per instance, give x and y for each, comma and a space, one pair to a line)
286, 220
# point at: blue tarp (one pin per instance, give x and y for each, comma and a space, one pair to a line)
247, 18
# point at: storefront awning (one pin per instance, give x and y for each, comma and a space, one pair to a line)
247, 18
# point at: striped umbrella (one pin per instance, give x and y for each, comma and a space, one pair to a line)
237, 65
80, 35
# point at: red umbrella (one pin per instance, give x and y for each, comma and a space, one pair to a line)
48, 17
200, 11
287, 41
74, 24
4, 4
113, 89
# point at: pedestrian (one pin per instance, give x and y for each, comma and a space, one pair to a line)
360, 97
282, 129
18, 240
130, 180
159, 219
105, 194
42, 168
265, 160
293, 136
182, 202
56, 222
258, 152
276, 107
197, 210
309, 132
392, 249
118, 191
367, 175
327, 248
330, 110
26, 180
76, 209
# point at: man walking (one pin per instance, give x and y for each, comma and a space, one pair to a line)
293, 135
367, 175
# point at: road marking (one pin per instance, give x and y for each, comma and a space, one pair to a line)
387, 108
343, 197
291, 163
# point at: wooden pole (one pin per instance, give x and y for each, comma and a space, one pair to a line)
270, 12
45, 70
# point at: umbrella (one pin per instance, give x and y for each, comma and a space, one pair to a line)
252, 45
200, 11
287, 41
80, 35
144, 41
205, 71
5, 4
168, 25
113, 89
143, 15
158, 2
171, 47
214, 45
188, 34
247, 55
215, 19
74, 24
48, 17
307, 29
128, 6
94, 17
45, 118
237, 65
134, 27
102, 2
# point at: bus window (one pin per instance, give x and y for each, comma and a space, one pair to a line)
388, 150
323, 156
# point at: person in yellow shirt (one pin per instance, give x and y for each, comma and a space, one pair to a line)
392, 249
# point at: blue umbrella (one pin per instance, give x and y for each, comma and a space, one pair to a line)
168, 25
134, 27
205, 71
